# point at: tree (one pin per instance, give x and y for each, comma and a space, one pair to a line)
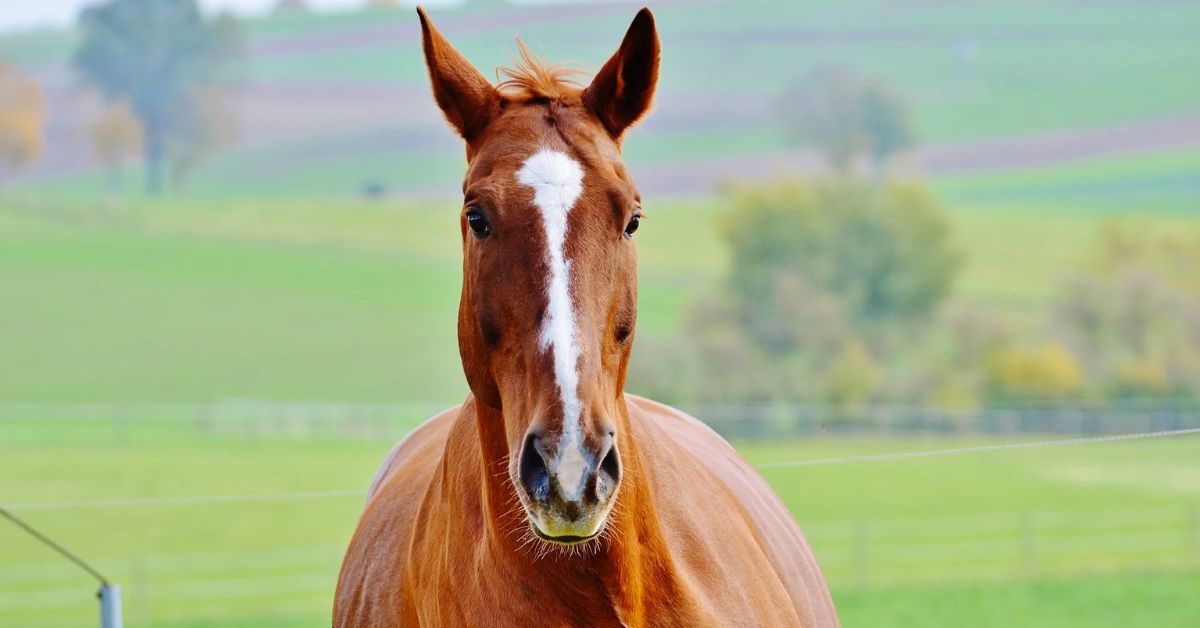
211, 125
883, 251
22, 120
847, 116
116, 136
155, 54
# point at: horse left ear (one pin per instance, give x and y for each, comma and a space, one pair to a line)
623, 89
465, 96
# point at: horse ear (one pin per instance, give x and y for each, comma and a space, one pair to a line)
465, 96
623, 89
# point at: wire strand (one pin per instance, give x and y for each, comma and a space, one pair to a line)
49, 542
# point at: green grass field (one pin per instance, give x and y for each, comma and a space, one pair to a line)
191, 301
998, 88
1030, 538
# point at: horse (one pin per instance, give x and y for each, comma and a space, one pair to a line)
550, 496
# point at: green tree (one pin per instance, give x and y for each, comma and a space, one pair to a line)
847, 116
883, 251
155, 54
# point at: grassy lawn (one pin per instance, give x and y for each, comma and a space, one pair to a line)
356, 301
1110, 601
184, 301
932, 542
972, 70
283, 301
1159, 182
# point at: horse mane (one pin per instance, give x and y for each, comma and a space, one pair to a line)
533, 78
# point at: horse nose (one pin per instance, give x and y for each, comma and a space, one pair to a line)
572, 477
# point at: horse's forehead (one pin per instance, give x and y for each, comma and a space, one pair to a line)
525, 133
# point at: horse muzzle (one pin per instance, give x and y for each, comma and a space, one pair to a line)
568, 493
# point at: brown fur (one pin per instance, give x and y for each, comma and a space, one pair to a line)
696, 537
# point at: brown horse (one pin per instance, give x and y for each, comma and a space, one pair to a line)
551, 497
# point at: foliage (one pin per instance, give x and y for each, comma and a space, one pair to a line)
155, 54
116, 136
22, 119
848, 117
882, 251
1047, 372
853, 377
1135, 316
827, 279
209, 125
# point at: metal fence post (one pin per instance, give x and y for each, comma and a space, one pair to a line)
110, 606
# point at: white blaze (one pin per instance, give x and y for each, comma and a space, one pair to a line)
557, 182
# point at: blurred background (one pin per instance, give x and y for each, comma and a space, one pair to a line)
230, 264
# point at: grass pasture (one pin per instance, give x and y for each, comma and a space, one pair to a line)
197, 300
1030, 538
157, 307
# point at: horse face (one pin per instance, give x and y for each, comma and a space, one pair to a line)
549, 298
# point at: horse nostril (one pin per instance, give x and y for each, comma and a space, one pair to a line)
532, 470
612, 464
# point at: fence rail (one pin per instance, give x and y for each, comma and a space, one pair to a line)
1017, 544
254, 418
1005, 545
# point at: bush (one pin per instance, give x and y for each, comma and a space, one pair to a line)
1048, 372
1135, 323
878, 254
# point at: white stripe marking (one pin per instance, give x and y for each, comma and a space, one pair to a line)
557, 182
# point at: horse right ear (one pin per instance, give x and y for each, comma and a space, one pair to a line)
465, 96
621, 91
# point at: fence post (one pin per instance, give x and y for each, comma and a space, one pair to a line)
110, 605
862, 553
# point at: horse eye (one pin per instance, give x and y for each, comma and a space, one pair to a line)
478, 223
632, 226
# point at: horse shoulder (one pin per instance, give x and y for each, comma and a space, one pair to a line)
432, 432
370, 588
713, 460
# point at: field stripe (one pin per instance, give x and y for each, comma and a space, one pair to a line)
905, 455
195, 499
355, 492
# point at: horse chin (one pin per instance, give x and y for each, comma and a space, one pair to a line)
559, 532
565, 539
